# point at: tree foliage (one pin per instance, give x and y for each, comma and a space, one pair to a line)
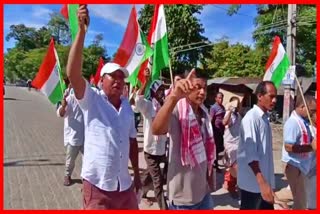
234, 60
272, 20
23, 61
184, 29
59, 29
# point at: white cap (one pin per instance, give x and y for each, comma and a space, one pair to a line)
111, 67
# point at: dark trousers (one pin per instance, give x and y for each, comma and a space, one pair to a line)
218, 140
153, 175
253, 201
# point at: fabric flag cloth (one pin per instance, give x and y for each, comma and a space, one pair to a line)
158, 38
134, 48
278, 63
97, 75
49, 79
69, 11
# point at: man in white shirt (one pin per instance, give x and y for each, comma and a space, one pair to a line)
110, 135
73, 131
255, 157
154, 146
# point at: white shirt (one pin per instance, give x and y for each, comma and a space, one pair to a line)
152, 144
255, 145
73, 122
106, 147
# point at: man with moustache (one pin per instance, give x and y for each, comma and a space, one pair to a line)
110, 135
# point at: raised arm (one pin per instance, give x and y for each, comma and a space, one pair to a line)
145, 84
183, 87
74, 65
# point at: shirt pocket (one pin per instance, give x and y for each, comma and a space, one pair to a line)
100, 140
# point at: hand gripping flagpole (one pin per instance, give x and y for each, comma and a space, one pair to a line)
304, 101
171, 75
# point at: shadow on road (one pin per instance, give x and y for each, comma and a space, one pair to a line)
9, 98
76, 181
31, 163
281, 181
225, 200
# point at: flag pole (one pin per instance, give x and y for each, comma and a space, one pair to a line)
171, 75
59, 70
304, 101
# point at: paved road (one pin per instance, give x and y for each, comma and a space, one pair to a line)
34, 158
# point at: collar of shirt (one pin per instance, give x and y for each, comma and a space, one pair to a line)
260, 111
108, 102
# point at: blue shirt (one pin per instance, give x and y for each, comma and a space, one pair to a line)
292, 135
255, 145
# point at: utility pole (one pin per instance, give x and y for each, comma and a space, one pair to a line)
288, 96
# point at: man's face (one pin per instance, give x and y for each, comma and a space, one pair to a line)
177, 78
219, 99
268, 101
198, 95
113, 84
159, 95
312, 110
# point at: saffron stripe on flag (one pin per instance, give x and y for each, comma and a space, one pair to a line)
46, 67
280, 54
128, 44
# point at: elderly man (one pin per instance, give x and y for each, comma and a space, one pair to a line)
110, 135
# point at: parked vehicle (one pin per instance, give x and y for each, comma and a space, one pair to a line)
21, 83
274, 117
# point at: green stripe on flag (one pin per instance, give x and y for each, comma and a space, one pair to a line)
73, 20
280, 71
160, 56
56, 94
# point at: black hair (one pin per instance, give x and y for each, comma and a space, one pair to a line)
66, 81
308, 98
262, 87
215, 96
178, 75
234, 98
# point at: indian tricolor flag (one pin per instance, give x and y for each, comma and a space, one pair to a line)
69, 11
278, 63
158, 38
134, 48
48, 79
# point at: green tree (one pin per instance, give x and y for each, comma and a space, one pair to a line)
92, 54
24, 36
12, 60
272, 20
236, 60
59, 29
184, 29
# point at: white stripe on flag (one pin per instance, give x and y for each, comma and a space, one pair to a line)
52, 82
277, 60
136, 56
